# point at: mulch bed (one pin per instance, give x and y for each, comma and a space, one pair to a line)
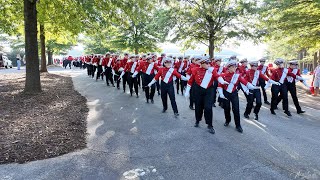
46, 125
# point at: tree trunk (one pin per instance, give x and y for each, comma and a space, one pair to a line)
50, 60
211, 45
43, 49
32, 84
136, 50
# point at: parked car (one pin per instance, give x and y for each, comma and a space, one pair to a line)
7, 63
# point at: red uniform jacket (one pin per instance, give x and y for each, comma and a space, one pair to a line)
203, 77
242, 70
181, 68
253, 76
277, 74
220, 69
295, 72
159, 61
233, 79
129, 67
147, 68
95, 60
191, 66
117, 65
264, 70
107, 62
88, 59
167, 74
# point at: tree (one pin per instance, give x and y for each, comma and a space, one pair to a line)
295, 22
212, 22
33, 84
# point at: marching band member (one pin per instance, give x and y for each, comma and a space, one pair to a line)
265, 71
99, 68
220, 69
181, 66
95, 62
148, 69
252, 76
130, 71
229, 93
280, 74
202, 79
293, 68
107, 63
166, 73
117, 71
188, 75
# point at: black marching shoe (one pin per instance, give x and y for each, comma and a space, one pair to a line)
152, 101
272, 112
147, 100
159, 93
239, 129
246, 116
108, 84
288, 113
276, 107
176, 115
196, 124
191, 107
301, 112
177, 92
164, 110
256, 117
118, 87
137, 96
211, 130
213, 105
226, 124
267, 102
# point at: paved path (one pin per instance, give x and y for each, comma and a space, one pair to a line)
129, 139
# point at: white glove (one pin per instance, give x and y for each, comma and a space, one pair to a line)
299, 78
274, 82
250, 86
187, 93
120, 78
121, 69
188, 77
221, 95
113, 72
184, 78
247, 91
152, 82
222, 81
103, 69
134, 74
305, 83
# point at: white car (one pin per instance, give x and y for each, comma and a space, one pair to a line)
7, 63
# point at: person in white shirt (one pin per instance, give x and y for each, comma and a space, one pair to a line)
316, 79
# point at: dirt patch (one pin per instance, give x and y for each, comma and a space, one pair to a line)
34, 127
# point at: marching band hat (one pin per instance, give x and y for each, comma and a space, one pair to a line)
262, 60
243, 60
293, 62
168, 60
254, 63
231, 63
279, 61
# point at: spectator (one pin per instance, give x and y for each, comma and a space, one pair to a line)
316, 79
18, 61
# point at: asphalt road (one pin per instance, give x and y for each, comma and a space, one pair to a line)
129, 139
